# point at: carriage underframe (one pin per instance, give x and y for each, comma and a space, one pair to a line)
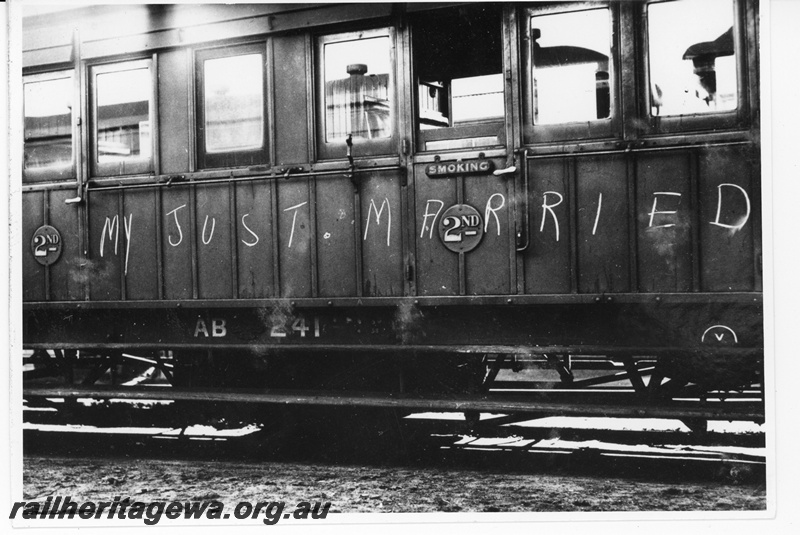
365, 357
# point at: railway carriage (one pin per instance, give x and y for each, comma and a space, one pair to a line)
544, 208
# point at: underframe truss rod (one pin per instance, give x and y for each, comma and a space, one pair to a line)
563, 366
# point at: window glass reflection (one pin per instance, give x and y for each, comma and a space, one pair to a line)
692, 70
477, 97
571, 67
123, 115
357, 98
48, 123
234, 103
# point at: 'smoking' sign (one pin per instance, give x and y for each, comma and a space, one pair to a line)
447, 169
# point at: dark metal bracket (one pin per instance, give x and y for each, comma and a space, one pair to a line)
524, 232
351, 170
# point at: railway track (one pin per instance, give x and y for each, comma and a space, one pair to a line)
593, 445
597, 422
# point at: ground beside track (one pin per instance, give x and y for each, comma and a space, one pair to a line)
365, 465
369, 488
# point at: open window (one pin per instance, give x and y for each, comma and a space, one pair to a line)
49, 103
122, 118
231, 106
355, 74
460, 90
571, 82
693, 73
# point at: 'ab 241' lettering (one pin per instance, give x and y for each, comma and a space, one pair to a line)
218, 329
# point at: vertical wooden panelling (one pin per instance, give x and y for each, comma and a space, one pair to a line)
291, 113
106, 246
214, 259
66, 276
547, 259
294, 238
664, 238
176, 247
487, 266
173, 111
254, 239
726, 220
381, 235
437, 267
602, 200
140, 256
33, 273
336, 255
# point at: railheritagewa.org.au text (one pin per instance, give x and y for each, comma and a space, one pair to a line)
269, 512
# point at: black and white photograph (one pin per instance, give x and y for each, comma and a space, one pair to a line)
354, 263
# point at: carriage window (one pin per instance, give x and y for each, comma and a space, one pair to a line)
123, 108
234, 113
571, 67
48, 102
459, 64
692, 70
231, 106
357, 85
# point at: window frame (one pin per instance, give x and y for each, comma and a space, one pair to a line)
718, 120
133, 166
598, 129
361, 147
477, 129
65, 172
236, 158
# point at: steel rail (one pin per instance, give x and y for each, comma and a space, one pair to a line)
665, 454
493, 404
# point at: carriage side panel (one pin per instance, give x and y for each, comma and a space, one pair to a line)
254, 242
726, 219
66, 275
602, 225
177, 249
336, 254
214, 223
381, 236
106, 245
140, 262
664, 217
33, 273
294, 238
548, 265
488, 269
437, 268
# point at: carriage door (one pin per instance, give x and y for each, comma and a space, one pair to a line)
463, 178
